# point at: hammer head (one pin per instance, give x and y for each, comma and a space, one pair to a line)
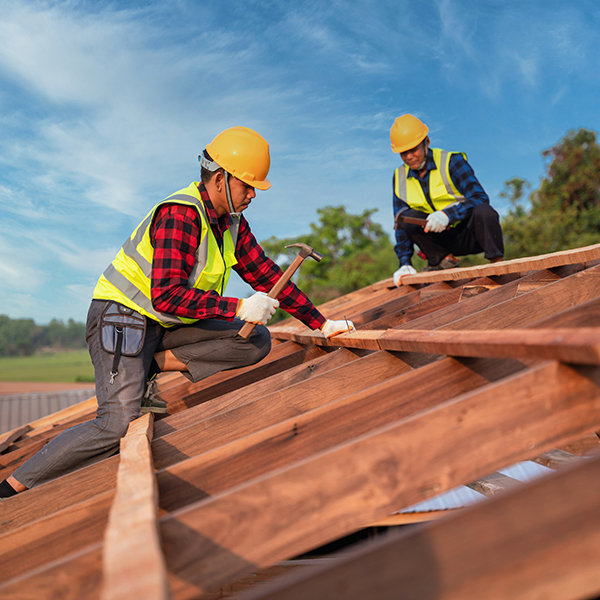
306, 250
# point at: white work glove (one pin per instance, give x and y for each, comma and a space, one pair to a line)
259, 308
403, 270
437, 222
331, 328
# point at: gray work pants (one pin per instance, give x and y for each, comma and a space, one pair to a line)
206, 347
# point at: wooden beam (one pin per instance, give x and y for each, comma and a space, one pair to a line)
539, 541
6, 439
556, 459
71, 577
253, 391
306, 433
579, 346
518, 265
528, 308
339, 491
493, 484
187, 394
290, 402
480, 302
133, 563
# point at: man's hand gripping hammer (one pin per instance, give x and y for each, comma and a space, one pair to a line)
305, 252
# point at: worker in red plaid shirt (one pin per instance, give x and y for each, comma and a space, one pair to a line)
160, 305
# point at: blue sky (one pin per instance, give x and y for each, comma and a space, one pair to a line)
105, 106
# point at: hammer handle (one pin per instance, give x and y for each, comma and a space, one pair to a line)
248, 328
413, 221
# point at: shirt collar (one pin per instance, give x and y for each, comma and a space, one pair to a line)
430, 166
211, 214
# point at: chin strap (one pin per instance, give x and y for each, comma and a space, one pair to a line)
229, 201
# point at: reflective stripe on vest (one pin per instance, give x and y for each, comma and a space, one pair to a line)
442, 191
127, 278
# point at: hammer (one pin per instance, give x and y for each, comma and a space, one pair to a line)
399, 218
305, 251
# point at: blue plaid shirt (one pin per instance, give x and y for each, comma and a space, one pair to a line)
466, 183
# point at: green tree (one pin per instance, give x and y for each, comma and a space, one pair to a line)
18, 337
564, 212
356, 252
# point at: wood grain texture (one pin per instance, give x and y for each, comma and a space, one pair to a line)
493, 484
339, 491
578, 346
132, 560
290, 402
254, 391
538, 541
6, 439
556, 459
473, 305
187, 394
538, 304
518, 265
329, 424
72, 577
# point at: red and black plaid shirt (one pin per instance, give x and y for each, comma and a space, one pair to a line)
175, 235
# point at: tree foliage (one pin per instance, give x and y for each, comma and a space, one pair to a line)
22, 337
565, 211
356, 252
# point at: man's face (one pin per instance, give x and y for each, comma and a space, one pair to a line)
415, 156
241, 194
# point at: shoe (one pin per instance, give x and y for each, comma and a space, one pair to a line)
449, 262
150, 402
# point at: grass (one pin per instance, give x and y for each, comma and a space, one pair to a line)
73, 366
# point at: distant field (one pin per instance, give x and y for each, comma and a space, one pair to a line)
74, 366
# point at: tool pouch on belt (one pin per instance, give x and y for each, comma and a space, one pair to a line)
122, 333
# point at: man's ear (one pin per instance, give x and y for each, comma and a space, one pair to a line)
219, 180
427, 143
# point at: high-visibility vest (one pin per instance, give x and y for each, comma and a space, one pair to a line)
442, 191
127, 279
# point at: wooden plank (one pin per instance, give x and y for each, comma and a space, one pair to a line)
345, 305
579, 346
586, 314
6, 439
190, 394
493, 484
56, 495
518, 265
539, 541
26, 549
290, 402
328, 425
475, 304
535, 305
341, 490
556, 459
133, 563
255, 390
428, 305
71, 577
408, 518
98, 478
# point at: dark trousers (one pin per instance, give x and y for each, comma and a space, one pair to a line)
206, 347
480, 232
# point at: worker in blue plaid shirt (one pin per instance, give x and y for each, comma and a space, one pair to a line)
439, 187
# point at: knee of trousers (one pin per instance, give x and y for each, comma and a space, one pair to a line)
484, 212
114, 426
259, 344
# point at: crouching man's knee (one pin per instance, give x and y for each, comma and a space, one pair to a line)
259, 344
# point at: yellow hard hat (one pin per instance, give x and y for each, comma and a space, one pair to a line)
407, 132
243, 153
